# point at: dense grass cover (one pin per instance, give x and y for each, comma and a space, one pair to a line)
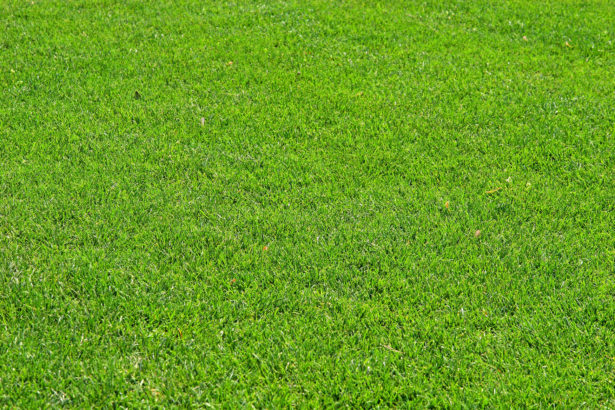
274, 203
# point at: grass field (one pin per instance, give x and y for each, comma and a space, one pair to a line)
307, 203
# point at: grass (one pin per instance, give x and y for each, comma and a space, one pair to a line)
307, 203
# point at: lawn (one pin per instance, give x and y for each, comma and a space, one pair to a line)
307, 203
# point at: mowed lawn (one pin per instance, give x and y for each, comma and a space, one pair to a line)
307, 203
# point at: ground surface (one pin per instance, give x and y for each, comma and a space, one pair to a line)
273, 203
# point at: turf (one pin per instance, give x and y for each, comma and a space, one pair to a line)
307, 203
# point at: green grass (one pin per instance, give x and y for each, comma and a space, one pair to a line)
287, 214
